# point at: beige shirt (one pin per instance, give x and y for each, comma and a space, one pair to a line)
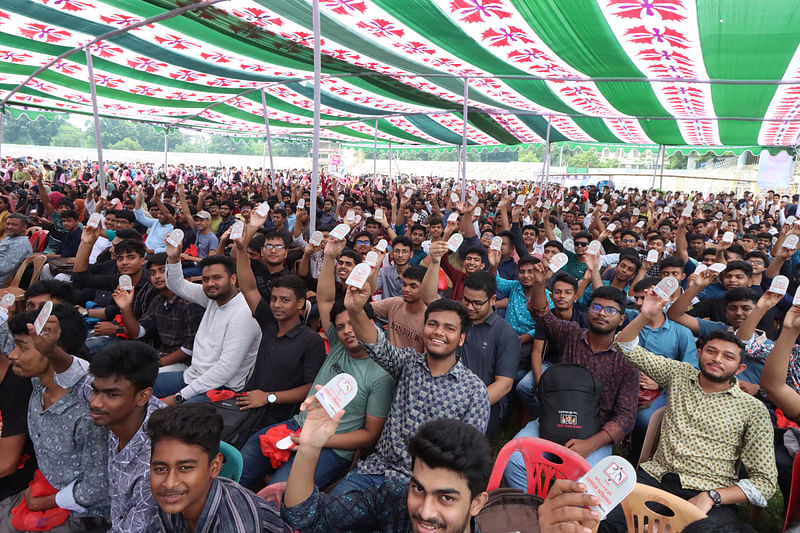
405, 329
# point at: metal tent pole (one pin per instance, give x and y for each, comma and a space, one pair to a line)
464, 113
546, 165
661, 172
655, 167
391, 181
375, 154
101, 173
2, 113
166, 152
269, 138
312, 211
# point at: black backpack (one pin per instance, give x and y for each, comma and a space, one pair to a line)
570, 403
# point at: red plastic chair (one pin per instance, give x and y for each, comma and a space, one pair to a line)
540, 469
39, 240
794, 492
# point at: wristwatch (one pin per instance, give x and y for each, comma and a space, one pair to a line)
272, 398
715, 497
179, 398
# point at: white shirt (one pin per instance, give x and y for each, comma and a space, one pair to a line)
226, 344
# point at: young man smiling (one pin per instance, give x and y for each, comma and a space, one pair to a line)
429, 385
447, 490
185, 464
118, 388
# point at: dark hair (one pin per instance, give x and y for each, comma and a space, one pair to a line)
740, 294
657, 237
644, 284
131, 360
232, 206
73, 328
225, 261
156, 260
125, 214
18, 216
418, 227
405, 241
554, 244
632, 256
292, 282
131, 246
415, 272
257, 242
196, 424
607, 292
727, 336
273, 235
59, 290
481, 281
739, 265
279, 211
750, 236
759, 255
717, 525
169, 207
352, 254
128, 234
564, 277
696, 237
69, 213
736, 249
528, 260
764, 235
445, 304
630, 232
456, 446
435, 220
477, 250
709, 251
339, 308
364, 233
672, 261
582, 235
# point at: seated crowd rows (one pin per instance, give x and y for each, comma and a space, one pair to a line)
479, 316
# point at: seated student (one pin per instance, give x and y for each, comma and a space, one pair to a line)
390, 282
17, 460
451, 467
710, 426
15, 248
118, 389
227, 339
89, 277
185, 464
475, 260
71, 451
366, 414
405, 314
67, 248
159, 227
491, 347
431, 385
544, 353
593, 349
170, 323
624, 274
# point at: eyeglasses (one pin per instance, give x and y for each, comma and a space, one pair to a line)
609, 310
401, 252
487, 236
363, 243
278, 247
582, 243
477, 304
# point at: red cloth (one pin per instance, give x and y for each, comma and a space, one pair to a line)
24, 519
268, 444
783, 422
215, 395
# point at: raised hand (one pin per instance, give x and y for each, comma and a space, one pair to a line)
355, 299
653, 305
792, 319
123, 299
318, 427
46, 342
437, 250
173, 252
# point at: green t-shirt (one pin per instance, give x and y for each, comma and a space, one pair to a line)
375, 388
574, 267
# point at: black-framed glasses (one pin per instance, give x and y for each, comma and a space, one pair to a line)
477, 304
278, 247
609, 310
581, 243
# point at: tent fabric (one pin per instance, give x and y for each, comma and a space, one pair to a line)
403, 63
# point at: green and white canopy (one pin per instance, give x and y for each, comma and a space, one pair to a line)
662, 72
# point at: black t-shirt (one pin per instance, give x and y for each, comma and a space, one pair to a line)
14, 394
284, 362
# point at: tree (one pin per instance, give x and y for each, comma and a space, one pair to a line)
69, 135
126, 144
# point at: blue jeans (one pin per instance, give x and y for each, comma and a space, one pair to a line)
168, 383
96, 343
355, 481
330, 466
527, 391
515, 469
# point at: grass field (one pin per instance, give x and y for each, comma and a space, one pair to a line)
768, 520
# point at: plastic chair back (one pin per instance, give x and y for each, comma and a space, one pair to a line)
652, 436
545, 462
794, 493
233, 464
39, 240
675, 514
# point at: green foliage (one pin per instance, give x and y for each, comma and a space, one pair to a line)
126, 144
677, 161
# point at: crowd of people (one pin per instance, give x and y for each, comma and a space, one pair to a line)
197, 311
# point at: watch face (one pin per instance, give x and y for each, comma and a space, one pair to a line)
272, 398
